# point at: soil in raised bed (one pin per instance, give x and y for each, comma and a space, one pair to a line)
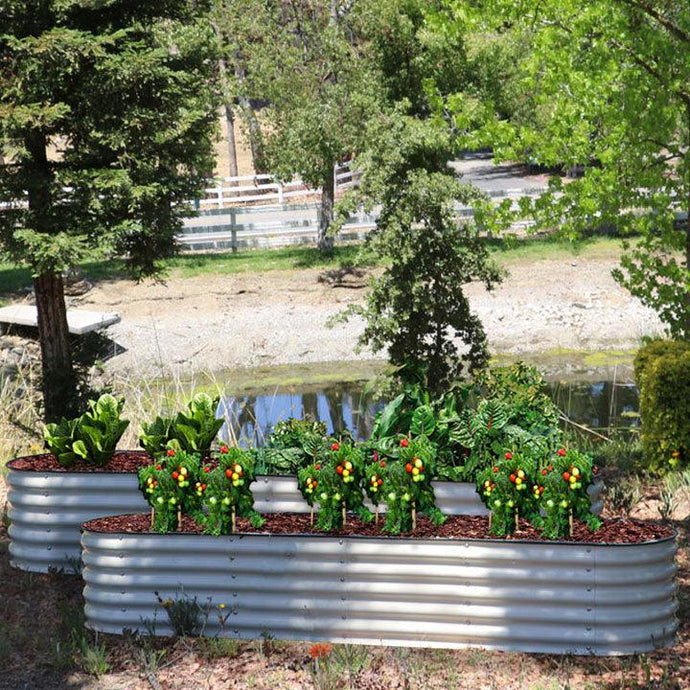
613, 531
122, 461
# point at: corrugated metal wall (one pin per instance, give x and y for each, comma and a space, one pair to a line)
559, 598
48, 508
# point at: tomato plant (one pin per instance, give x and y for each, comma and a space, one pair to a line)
335, 483
225, 491
508, 491
406, 486
170, 485
566, 479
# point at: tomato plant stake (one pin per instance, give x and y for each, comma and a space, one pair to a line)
345, 515
517, 524
570, 521
153, 517
179, 519
414, 517
311, 516
233, 520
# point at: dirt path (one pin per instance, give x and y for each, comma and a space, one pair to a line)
208, 323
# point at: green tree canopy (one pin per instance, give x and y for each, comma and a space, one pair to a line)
107, 118
609, 83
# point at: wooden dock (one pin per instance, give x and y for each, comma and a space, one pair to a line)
79, 321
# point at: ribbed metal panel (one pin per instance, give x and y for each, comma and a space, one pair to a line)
539, 597
47, 508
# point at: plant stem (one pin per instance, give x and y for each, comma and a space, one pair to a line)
179, 519
414, 517
517, 523
311, 516
376, 515
491, 521
153, 517
233, 519
570, 521
344, 516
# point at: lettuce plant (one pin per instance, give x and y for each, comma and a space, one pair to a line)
192, 430
91, 438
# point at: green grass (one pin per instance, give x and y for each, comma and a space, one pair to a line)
13, 279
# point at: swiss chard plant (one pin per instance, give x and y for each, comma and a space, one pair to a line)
173, 486
192, 430
335, 483
91, 438
293, 444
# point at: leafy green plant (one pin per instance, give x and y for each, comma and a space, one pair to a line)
407, 488
335, 483
91, 438
293, 444
624, 495
225, 492
566, 479
172, 486
192, 430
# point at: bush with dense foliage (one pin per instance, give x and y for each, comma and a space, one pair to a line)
662, 371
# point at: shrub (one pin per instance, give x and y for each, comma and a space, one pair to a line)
92, 437
192, 430
662, 371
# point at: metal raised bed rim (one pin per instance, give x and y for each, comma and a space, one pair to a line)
397, 537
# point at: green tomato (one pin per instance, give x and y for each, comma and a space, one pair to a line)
497, 503
213, 500
511, 503
549, 503
564, 503
160, 499
406, 496
226, 501
391, 496
172, 500
324, 496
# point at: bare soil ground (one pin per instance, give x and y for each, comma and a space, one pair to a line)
213, 322
40, 619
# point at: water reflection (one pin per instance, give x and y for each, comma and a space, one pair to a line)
344, 406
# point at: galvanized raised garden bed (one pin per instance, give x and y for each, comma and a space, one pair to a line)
48, 508
510, 595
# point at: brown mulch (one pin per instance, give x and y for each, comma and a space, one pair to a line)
122, 461
613, 531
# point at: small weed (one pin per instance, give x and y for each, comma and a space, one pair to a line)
667, 504
625, 495
5, 643
186, 615
266, 645
218, 647
92, 656
351, 659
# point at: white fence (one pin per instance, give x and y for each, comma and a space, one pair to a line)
254, 189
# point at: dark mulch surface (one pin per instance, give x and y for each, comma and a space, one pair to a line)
122, 461
455, 527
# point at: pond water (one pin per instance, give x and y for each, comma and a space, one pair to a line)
600, 405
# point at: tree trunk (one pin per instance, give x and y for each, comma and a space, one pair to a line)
325, 241
232, 146
253, 127
59, 381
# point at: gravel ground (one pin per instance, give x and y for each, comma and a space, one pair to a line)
209, 323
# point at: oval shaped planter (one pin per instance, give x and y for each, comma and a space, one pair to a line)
525, 596
46, 509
